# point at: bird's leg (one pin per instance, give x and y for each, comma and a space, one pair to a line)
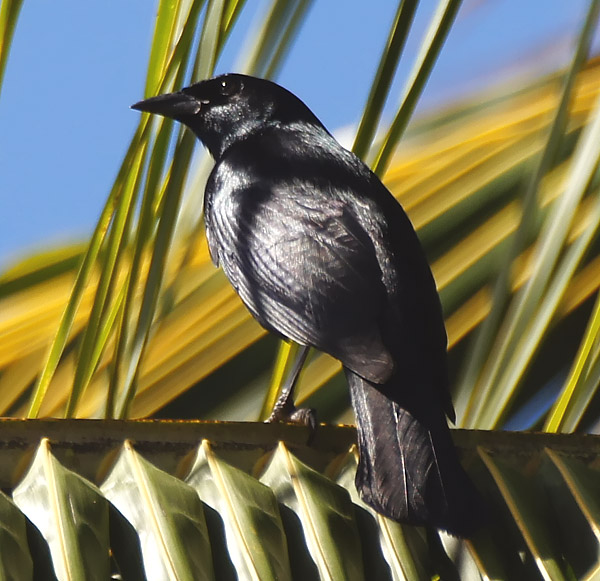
284, 409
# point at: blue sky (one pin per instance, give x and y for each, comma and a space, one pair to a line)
75, 67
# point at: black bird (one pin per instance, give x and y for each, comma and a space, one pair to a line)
321, 253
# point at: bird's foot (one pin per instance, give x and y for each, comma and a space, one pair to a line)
288, 412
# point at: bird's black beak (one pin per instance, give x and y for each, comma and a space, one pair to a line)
174, 105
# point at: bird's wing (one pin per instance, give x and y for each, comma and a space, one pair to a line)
302, 264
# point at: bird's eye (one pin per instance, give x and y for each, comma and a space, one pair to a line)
229, 86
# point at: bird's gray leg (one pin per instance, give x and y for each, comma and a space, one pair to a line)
284, 409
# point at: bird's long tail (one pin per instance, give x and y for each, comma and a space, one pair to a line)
408, 467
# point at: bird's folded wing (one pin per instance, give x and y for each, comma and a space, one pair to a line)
309, 274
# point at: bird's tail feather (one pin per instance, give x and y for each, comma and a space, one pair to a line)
408, 467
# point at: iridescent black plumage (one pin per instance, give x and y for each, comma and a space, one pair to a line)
321, 253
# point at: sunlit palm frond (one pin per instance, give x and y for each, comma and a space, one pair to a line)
459, 176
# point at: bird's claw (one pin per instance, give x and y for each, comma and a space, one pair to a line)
306, 417
291, 414
294, 415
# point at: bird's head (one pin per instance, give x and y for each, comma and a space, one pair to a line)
227, 108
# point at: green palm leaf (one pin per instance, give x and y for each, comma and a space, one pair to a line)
503, 190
